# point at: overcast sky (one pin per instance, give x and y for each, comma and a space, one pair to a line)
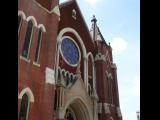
119, 22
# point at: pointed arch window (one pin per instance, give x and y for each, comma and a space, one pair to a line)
37, 54
24, 107
28, 38
110, 88
90, 75
19, 22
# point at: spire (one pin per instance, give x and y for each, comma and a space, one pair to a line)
94, 20
95, 32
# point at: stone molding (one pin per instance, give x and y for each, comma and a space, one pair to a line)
49, 74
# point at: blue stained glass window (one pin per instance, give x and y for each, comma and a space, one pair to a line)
70, 51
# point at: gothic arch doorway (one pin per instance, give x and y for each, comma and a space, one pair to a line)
70, 115
77, 110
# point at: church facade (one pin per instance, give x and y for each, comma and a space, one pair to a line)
65, 70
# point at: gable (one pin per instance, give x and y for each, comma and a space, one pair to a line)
72, 17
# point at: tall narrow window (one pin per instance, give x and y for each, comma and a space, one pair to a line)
19, 22
110, 89
90, 76
27, 41
36, 59
24, 107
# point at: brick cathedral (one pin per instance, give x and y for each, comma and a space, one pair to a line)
65, 70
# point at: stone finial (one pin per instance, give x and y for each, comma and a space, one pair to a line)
94, 19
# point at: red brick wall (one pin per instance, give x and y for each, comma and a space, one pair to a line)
30, 75
102, 83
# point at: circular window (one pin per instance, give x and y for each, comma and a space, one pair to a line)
70, 51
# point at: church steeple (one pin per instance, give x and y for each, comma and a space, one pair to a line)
95, 32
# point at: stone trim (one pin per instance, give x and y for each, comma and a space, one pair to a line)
24, 59
21, 13
106, 108
41, 26
50, 79
64, 80
29, 92
33, 20
99, 108
36, 64
83, 110
56, 10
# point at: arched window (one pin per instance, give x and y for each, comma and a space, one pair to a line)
21, 17
110, 88
24, 107
28, 38
36, 59
90, 75
19, 22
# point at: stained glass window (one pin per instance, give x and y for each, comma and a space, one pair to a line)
38, 46
70, 51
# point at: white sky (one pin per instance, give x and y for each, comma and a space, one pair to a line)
119, 22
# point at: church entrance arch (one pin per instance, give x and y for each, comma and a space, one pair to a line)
76, 110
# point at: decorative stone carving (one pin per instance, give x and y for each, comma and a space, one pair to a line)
106, 108
99, 56
65, 78
109, 75
74, 14
104, 58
